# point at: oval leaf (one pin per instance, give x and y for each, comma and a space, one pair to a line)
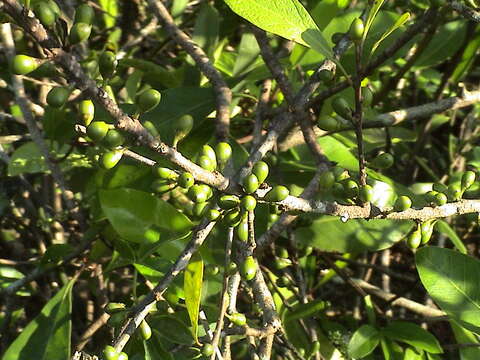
192, 286
414, 335
363, 341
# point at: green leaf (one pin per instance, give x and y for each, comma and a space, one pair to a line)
301, 311
364, 340
447, 230
192, 286
286, 18
142, 217
48, 335
413, 335
154, 349
110, 9
400, 21
377, 4
451, 280
468, 57
171, 328
463, 336
247, 57
205, 32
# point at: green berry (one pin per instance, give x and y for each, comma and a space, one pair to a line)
249, 268
241, 230
151, 128
415, 238
199, 209
403, 203
161, 186
233, 217
439, 187
97, 130
260, 170
277, 193
282, 252
197, 194
366, 193
107, 65
281, 263
208, 151
350, 188
213, 214
367, 96
336, 37
84, 14
341, 107
87, 111
356, 30
228, 202
24, 64
326, 181
250, 183
223, 151
110, 159
58, 96
182, 128
232, 268
468, 178
238, 319
455, 192
186, 180
145, 330
122, 356
248, 203
328, 123
165, 173
45, 13
148, 100
114, 307
113, 139
53, 5
382, 161
206, 163
427, 231
283, 281
79, 32
109, 353
340, 173
440, 199
207, 350
430, 196
326, 76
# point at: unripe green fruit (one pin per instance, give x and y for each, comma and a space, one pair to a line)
440, 187
241, 230
440, 199
114, 307
340, 173
223, 151
328, 123
199, 209
45, 13
87, 111
283, 281
228, 202
338, 190
403, 203
366, 193
367, 96
430, 196
24, 64
161, 186
249, 268
277, 193
468, 178
250, 184
53, 5
213, 214
186, 180
326, 76
350, 188
238, 319
84, 14
97, 130
281, 263
122, 356
58, 96
260, 170
79, 32
110, 159
326, 181
282, 252
272, 218
206, 163
336, 37
232, 268
207, 350
212, 270
107, 65
248, 203
151, 128
356, 30
145, 330
341, 107
455, 192
208, 151
382, 161
109, 353
165, 173
233, 217
198, 194
426, 231
148, 100
113, 139
414, 239
182, 128
274, 209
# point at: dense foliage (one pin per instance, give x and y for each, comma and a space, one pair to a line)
247, 179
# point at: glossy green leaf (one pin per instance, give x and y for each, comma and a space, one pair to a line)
154, 349
48, 335
401, 20
248, 55
413, 335
165, 324
110, 8
451, 280
372, 14
286, 18
447, 230
364, 340
142, 217
301, 311
205, 32
468, 57
192, 286
463, 336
